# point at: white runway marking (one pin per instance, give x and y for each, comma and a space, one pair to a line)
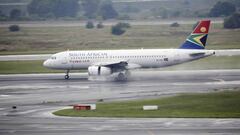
4, 95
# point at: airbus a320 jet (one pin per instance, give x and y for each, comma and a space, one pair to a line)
120, 62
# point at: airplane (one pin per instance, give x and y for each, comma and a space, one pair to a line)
120, 62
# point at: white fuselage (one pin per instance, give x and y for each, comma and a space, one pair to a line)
137, 58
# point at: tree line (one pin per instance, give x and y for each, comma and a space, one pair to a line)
104, 9
51, 9
90, 9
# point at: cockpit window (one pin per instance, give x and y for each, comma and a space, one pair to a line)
53, 58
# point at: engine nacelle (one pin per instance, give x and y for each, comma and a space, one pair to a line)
99, 70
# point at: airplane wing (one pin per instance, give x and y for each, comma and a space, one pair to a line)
122, 64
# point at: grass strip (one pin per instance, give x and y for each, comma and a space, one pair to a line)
55, 39
23, 67
207, 105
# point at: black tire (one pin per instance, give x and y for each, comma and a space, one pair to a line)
66, 77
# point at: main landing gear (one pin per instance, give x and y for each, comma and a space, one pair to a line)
67, 75
123, 76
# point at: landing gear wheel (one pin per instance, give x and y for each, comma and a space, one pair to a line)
66, 77
121, 77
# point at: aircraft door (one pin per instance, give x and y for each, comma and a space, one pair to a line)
65, 60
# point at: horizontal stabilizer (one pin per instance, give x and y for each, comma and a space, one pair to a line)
197, 54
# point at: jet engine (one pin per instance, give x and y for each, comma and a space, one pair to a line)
99, 71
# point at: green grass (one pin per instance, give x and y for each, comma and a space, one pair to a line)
22, 67
55, 39
222, 62
27, 67
212, 62
27, 52
208, 105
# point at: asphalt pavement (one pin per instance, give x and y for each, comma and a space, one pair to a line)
36, 96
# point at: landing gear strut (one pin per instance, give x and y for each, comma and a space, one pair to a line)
67, 75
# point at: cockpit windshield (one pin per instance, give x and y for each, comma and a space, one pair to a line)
53, 58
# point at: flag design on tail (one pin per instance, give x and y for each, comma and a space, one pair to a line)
198, 38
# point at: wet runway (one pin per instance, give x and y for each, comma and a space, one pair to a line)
37, 95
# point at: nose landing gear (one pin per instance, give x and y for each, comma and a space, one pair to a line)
67, 75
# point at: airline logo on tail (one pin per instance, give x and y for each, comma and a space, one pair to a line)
198, 38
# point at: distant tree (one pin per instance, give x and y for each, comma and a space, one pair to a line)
186, 2
130, 9
3, 17
14, 28
89, 25
124, 25
58, 8
236, 2
222, 9
100, 25
175, 24
117, 30
201, 14
15, 14
232, 21
164, 13
90, 8
175, 13
160, 12
107, 10
1, 13
64, 8
120, 28
40, 7
124, 17
96, 8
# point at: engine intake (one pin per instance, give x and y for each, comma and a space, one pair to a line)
99, 70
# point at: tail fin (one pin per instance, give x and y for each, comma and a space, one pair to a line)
198, 38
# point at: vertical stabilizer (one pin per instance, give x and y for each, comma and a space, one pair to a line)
198, 38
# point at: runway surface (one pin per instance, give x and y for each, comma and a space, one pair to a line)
37, 95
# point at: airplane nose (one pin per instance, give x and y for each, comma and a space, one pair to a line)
46, 63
